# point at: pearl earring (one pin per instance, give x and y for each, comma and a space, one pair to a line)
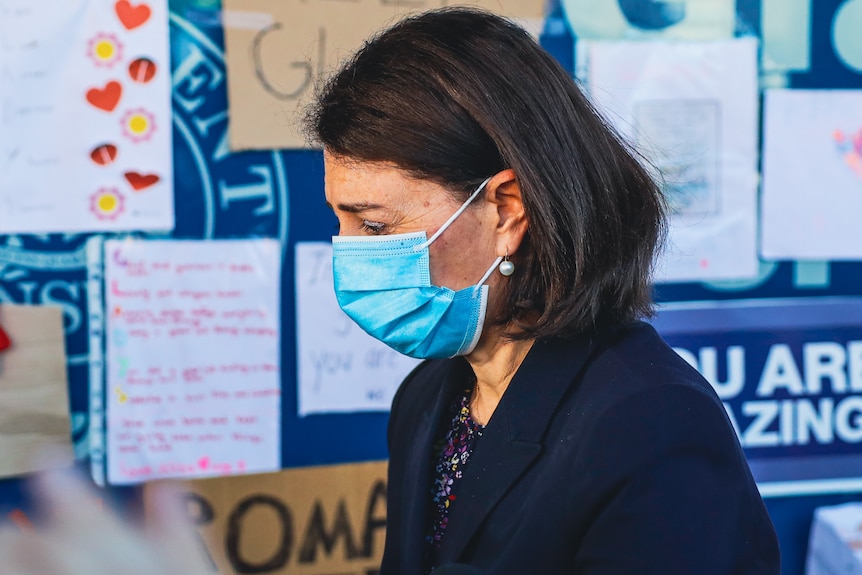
506, 268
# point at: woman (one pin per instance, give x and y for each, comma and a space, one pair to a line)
491, 222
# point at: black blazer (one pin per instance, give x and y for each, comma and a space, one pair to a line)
606, 455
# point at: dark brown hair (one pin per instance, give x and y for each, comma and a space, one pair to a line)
456, 95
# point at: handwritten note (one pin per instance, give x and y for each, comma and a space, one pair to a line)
691, 108
278, 49
193, 381
340, 367
85, 122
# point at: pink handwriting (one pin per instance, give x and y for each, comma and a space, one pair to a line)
204, 312
193, 267
136, 269
247, 368
195, 294
176, 469
196, 374
205, 437
134, 472
154, 375
142, 293
145, 400
261, 331
246, 437
242, 393
242, 314
204, 465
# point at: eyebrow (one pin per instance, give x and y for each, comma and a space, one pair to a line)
357, 207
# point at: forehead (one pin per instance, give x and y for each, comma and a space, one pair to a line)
353, 182
358, 181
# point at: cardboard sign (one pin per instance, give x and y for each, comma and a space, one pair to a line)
278, 50
34, 398
328, 520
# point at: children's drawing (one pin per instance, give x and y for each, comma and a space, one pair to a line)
104, 82
812, 175
850, 147
682, 139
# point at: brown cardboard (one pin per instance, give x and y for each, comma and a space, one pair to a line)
277, 50
34, 397
327, 520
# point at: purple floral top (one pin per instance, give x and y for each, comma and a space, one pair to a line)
452, 452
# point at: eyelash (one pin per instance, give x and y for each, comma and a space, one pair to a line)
373, 227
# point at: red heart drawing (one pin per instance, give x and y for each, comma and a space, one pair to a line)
106, 98
204, 462
132, 15
141, 181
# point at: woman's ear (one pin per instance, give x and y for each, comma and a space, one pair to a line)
504, 192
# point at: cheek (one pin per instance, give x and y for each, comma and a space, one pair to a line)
457, 265
449, 266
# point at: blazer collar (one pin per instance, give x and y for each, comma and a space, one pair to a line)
512, 439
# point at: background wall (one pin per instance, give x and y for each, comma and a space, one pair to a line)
280, 194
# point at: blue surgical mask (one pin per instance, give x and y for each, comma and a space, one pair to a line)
384, 285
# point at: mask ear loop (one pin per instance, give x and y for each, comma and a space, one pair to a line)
452, 218
487, 274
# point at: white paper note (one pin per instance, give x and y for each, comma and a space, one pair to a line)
85, 116
340, 367
812, 174
691, 109
193, 376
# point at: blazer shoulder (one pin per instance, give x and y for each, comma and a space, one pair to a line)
641, 360
640, 384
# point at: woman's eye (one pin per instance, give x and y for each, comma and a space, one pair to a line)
373, 227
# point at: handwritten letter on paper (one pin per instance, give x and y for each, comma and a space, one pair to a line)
85, 116
193, 381
341, 368
691, 108
278, 49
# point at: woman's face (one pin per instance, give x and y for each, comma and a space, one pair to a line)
371, 199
